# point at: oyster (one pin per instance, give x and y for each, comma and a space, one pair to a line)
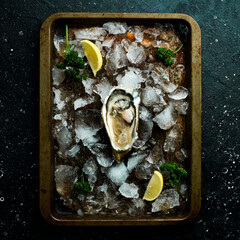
120, 114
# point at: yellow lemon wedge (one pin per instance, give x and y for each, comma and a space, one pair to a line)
154, 187
93, 55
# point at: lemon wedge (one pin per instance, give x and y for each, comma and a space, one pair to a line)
154, 187
93, 55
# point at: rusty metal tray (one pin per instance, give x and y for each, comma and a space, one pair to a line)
193, 120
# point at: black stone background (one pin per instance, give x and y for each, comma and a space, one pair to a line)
19, 85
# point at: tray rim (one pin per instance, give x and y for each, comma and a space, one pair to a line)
45, 144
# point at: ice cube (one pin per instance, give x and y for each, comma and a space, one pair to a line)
132, 77
62, 117
180, 106
125, 44
88, 85
135, 159
115, 59
93, 33
139, 203
129, 190
73, 151
167, 199
59, 44
57, 99
177, 74
103, 154
158, 108
115, 27
161, 78
152, 33
81, 197
136, 54
99, 45
65, 178
109, 196
152, 96
156, 156
118, 173
92, 205
108, 42
136, 208
58, 117
181, 155
138, 33
57, 40
57, 75
83, 101
149, 96
145, 127
174, 137
90, 168
64, 138
138, 36
76, 45
103, 188
179, 93
167, 118
183, 190
160, 75
80, 212
87, 123
103, 88
145, 170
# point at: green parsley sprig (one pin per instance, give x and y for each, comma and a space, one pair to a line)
175, 173
72, 63
82, 186
166, 55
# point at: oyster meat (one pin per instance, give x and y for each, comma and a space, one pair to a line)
120, 114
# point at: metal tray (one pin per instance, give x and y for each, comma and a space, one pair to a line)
193, 120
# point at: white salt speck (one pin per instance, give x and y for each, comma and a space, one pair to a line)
22, 111
215, 17
11, 50
1, 199
1, 173
216, 40
20, 33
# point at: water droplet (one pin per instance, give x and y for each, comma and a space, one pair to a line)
1, 199
225, 170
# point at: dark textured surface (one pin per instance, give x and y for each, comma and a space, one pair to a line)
19, 70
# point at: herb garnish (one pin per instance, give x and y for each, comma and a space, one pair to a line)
72, 63
82, 186
175, 173
165, 55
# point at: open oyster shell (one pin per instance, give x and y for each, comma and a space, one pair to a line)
120, 114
